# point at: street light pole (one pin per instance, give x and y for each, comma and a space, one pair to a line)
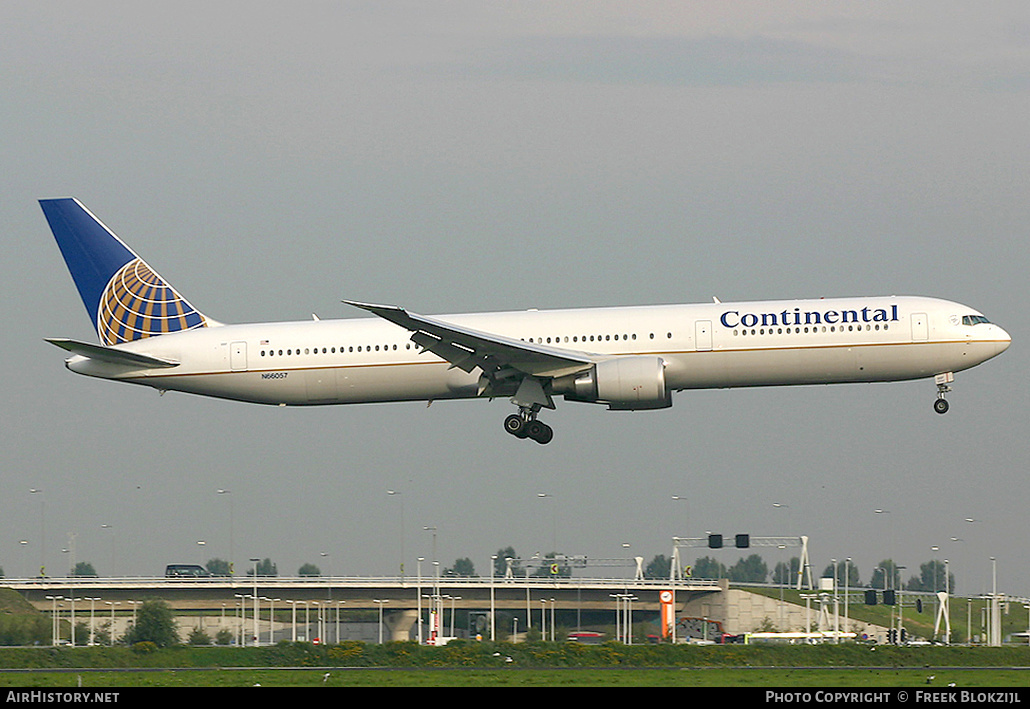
847, 580
110, 572
42, 530
401, 498
294, 619
947, 598
255, 562
995, 626
493, 564
112, 604
418, 587
231, 549
554, 523
53, 618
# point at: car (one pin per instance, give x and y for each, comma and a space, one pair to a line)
186, 571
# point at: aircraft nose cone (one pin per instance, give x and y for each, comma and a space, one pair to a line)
1004, 340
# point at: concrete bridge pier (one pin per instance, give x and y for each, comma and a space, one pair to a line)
399, 623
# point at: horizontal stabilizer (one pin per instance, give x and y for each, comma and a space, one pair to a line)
111, 355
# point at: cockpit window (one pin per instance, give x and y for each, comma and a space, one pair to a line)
974, 319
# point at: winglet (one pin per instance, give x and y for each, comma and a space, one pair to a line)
396, 315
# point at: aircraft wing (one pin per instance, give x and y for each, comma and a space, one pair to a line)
466, 348
111, 355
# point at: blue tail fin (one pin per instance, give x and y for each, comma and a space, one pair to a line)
125, 298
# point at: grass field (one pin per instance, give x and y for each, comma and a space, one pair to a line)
572, 677
531, 664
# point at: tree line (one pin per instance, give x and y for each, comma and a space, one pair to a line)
933, 576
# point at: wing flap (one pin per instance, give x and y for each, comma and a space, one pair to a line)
111, 355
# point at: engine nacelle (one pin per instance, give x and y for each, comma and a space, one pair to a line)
624, 383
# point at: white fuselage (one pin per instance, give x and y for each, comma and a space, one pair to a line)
762, 343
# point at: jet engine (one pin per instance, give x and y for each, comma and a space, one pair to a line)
623, 383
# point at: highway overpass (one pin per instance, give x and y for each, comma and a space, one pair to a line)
358, 592
399, 600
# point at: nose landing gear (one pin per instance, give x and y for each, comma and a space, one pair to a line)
943, 387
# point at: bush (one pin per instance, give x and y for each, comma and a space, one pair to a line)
24, 629
144, 647
155, 624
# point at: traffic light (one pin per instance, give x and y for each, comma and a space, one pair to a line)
715, 541
888, 597
743, 541
870, 597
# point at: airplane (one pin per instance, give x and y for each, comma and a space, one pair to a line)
626, 358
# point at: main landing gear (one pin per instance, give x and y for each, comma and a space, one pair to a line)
530, 397
525, 425
943, 387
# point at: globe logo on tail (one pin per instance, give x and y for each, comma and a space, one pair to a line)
138, 303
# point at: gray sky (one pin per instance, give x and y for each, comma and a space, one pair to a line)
272, 159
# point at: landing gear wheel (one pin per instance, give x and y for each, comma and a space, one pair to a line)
539, 432
516, 426
941, 406
520, 426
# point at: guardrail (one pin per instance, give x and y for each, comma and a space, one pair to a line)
350, 581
